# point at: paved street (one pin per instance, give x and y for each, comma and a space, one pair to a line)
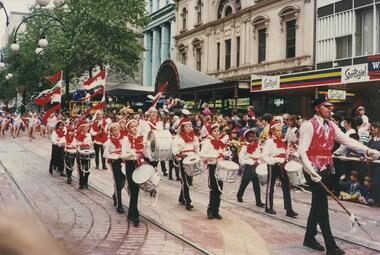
87, 223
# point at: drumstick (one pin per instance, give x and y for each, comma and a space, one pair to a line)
353, 218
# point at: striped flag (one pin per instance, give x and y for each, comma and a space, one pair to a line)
161, 90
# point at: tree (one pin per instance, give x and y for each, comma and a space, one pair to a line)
102, 32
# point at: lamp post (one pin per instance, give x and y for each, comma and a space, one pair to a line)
6, 13
2, 64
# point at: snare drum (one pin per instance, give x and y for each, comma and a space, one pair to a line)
295, 173
146, 177
262, 173
71, 153
159, 145
193, 165
86, 154
227, 171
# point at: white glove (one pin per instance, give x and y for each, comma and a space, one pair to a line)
372, 154
279, 160
227, 153
315, 177
250, 162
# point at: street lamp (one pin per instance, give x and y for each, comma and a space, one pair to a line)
6, 13
43, 3
15, 47
2, 65
39, 51
43, 43
9, 76
59, 3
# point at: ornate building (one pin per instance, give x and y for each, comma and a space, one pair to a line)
233, 39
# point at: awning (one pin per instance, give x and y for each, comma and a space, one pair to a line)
129, 90
181, 77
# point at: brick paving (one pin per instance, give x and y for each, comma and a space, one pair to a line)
242, 231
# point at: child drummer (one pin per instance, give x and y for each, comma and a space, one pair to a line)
213, 149
70, 152
185, 144
58, 141
113, 153
249, 158
83, 141
275, 154
133, 144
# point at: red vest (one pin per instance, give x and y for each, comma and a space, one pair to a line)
100, 138
320, 150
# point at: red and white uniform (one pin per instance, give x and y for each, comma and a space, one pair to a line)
214, 148
250, 154
274, 151
69, 138
134, 148
317, 137
99, 137
146, 126
185, 145
58, 137
113, 148
83, 141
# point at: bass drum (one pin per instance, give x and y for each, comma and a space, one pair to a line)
262, 173
159, 145
146, 177
295, 173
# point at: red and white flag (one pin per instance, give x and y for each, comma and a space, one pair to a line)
161, 91
101, 74
55, 77
49, 94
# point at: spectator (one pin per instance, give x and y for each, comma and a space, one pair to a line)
266, 120
351, 188
374, 143
361, 113
251, 112
338, 119
362, 130
367, 192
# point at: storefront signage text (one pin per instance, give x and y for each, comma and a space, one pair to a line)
334, 94
355, 73
270, 82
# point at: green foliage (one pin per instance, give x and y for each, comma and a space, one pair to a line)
94, 33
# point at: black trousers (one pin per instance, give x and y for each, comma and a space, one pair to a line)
119, 180
85, 165
319, 214
57, 158
99, 150
163, 167
69, 165
216, 188
273, 173
184, 196
249, 175
176, 169
133, 211
155, 164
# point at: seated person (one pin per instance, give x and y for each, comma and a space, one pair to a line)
351, 188
367, 196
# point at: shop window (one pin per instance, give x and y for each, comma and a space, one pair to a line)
228, 54
291, 39
218, 56
364, 32
184, 18
343, 47
198, 54
238, 51
262, 44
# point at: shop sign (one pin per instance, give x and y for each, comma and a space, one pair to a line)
334, 94
270, 82
355, 73
278, 101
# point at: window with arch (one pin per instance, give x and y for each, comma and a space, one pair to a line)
198, 8
184, 18
197, 45
228, 7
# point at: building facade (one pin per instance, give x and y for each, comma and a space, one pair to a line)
347, 32
158, 37
233, 39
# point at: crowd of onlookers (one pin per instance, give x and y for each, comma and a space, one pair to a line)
357, 181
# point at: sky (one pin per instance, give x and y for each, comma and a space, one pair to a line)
13, 5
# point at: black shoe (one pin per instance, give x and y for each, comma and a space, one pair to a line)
114, 200
105, 168
240, 200
136, 223
50, 170
181, 202
97, 167
270, 211
291, 214
218, 216
335, 251
86, 186
313, 244
260, 204
69, 180
62, 174
81, 187
210, 215
120, 209
189, 207
170, 178
165, 174
178, 179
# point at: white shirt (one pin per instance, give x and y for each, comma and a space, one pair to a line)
56, 140
342, 149
111, 152
180, 146
144, 127
247, 159
270, 152
208, 151
306, 135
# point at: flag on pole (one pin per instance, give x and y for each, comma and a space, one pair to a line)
100, 88
101, 74
55, 77
46, 95
54, 108
161, 90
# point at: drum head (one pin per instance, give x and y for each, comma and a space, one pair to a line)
228, 164
190, 160
262, 169
293, 166
142, 173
